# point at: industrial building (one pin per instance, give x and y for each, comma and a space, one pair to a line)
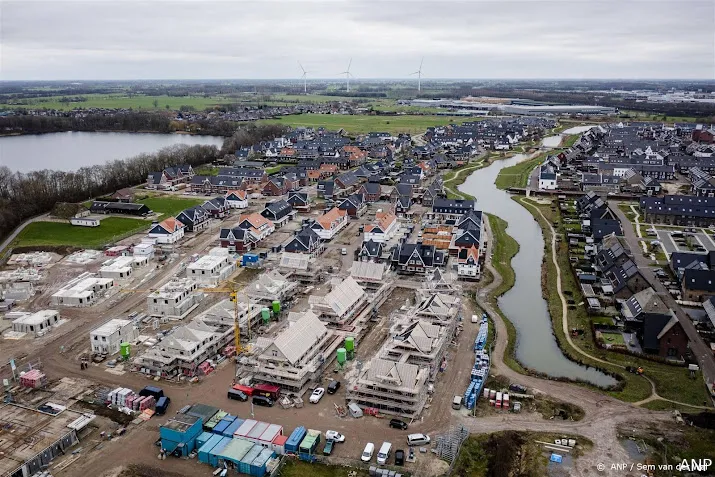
120, 268
36, 324
30, 440
342, 304
107, 338
212, 269
295, 357
175, 299
84, 290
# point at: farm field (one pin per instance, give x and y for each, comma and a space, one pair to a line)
58, 233
118, 100
364, 124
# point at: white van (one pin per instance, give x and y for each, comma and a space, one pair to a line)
475, 319
457, 402
417, 439
355, 410
384, 453
367, 453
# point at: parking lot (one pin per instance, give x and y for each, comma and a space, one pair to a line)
675, 239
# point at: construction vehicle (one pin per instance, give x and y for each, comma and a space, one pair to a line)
233, 296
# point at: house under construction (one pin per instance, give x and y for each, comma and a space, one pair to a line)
272, 286
342, 304
395, 380
295, 357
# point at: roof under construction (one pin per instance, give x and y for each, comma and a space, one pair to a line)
367, 271
296, 261
344, 296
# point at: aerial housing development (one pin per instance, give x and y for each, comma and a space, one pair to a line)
326, 276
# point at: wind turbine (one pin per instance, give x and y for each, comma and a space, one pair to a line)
305, 78
348, 75
419, 76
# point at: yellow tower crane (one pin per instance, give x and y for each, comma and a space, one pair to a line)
233, 296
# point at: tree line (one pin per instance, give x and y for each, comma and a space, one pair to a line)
25, 195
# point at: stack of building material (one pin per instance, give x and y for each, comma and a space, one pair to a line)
33, 379
144, 402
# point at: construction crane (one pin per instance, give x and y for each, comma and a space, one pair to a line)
233, 296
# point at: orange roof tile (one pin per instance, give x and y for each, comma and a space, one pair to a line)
256, 219
331, 216
171, 224
241, 194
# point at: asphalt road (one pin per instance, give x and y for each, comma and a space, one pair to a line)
700, 349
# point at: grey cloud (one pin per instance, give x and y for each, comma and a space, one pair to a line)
459, 39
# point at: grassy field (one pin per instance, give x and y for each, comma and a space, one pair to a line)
169, 205
613, 338
57, 233
518, 174
363, 124
206, 171
298, 468
119, 100
569, 140
671, 382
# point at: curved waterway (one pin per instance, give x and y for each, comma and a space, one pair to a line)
523, 305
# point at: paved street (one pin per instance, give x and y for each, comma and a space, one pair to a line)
699, 348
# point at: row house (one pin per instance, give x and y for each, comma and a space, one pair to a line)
372, 191
354, 205
259, 226
170, 177
237, 239
450, 210
217, 207
329, 224
249, 175
305, 241
416, 258
277, 186
217, 184
194, 218
279, 212
384, 228
237, 199
168, 231
299, 201
347, 182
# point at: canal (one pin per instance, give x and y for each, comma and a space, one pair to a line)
523, 305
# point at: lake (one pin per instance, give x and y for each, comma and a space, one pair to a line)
67, 151
524, 305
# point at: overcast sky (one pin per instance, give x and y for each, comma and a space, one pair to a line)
113, 39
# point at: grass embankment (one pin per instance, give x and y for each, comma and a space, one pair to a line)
509, 453
503, 250
110, 230
671, 382
168, 205
361, 124
518, 174
298, 468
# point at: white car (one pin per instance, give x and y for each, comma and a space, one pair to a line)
317, 395
334, 435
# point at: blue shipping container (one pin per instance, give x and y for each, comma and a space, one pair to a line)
245, 465
228, 432
213, 458
258, 466
295, 439
203, 437
208, 447
221, 426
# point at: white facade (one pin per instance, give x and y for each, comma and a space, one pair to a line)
36, 323
84, 221
234, 202
211, 269
107, 338
144, 249
547, 184
468, 269
120, 268
82, 291
386, 228
174, 300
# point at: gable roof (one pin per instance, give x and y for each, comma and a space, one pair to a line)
331, 216
300, 337
343, 296
236, 195
255, 219
169, 225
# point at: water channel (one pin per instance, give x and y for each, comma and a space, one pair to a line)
67, 151
523, 305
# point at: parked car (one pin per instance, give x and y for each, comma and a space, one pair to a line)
237, 395
398, 424
333, 386
262, 401
418, 439
383, 454
399, 457
343, 251
162, 405
367, 452
334, 436
317, 395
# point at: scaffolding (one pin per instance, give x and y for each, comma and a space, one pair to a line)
448, 444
